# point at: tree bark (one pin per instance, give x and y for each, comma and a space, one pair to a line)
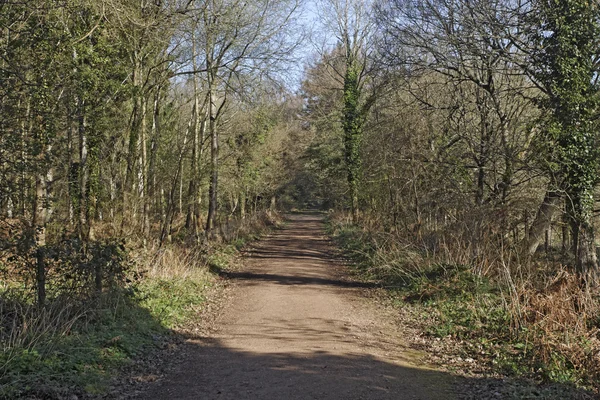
154, 140
194, 197
587, 261
243, 204
580, 210
352, 125
132, 153
548, 209
39, 227
170, 211
83, 227
143, 174
41, 211
211, 220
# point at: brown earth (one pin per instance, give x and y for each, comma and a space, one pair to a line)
298, 328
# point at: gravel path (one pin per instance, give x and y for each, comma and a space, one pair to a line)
296, 328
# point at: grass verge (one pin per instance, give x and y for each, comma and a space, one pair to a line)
75, 346
70, 349
492, 323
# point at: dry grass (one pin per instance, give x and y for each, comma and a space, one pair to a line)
174, 261
562, 318
26, 328
553, 320
178, 260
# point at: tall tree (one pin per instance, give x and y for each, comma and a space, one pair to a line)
351, 23
145, 30
238, 39
565, 47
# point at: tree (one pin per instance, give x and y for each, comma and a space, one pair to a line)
562, 59
237, 39
351, 23
455, 61
144, 30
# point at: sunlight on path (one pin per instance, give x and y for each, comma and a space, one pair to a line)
297, 329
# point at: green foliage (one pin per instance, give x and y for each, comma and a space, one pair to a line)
466, 306
76, 345
172, 302
94, 344
352, 120
357, 245
84, 356
559, 369
564, 63
352, 124
71, 268
323, 173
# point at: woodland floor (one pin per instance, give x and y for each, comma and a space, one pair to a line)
296, 326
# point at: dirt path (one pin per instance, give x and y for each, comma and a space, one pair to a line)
297, 329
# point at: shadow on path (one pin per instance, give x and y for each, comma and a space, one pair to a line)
213, 371
298, 329
219, 372
294, 280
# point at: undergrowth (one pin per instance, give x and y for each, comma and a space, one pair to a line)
76, 344
518, 322
52, 353
71, 347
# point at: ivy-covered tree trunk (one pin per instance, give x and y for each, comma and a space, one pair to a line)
352, 125
566, 69
550, 206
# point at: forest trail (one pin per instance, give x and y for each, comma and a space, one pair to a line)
297, 328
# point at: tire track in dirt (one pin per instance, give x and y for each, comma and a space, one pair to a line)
296, 328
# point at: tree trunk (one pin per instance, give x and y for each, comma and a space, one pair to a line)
39, 227
243, 204
587, 261
479, 193
180, 198
170, 209
41, 212
154, 140
193, 207
565, 231
214, 159
84, 173
535, 234
25, 127
113, 190
197, 193
190, 219
581, 215
352, 125
143, 175
132, 148
71, 170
